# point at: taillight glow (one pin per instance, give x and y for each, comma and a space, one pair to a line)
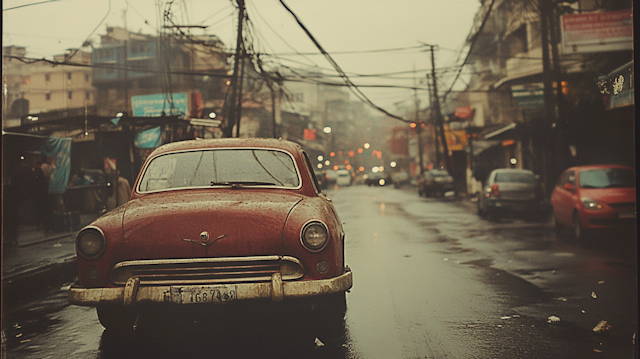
495, 190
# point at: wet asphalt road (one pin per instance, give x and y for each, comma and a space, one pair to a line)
431, 280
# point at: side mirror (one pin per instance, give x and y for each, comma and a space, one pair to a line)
568, 186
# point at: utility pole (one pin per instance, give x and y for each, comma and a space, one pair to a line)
439, 120
419, 131
556, 137
234, 76
239, 106
548, 91
432, 107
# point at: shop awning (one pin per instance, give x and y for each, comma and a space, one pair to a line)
506, 132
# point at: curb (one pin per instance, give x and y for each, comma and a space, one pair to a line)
44, 240
20, 286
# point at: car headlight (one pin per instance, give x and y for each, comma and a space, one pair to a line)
590, 203
90, 242
314, 235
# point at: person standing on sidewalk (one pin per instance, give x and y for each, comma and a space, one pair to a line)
33, 190
123, 190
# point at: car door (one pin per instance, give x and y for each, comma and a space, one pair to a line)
562, 199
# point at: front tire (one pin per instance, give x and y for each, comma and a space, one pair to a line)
580, 233
116, 318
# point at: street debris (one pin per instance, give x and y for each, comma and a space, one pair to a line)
553, 319
601, 282
25, 341
562, 299
319, 343
584, 312
499, 326
504, 318
445, 259
593, 295
602, 327
597, 350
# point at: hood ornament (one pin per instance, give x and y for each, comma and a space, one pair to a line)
204, 239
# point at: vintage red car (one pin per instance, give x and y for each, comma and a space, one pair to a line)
209, 222
587, 198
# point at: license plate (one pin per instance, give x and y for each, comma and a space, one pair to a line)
627, 215
203, 294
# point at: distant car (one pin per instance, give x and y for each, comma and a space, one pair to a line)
435, 182
331, 176
400, 179
344, 178
217, 226
587, 198
374, 179
512, 192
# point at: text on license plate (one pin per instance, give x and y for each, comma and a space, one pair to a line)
203, 294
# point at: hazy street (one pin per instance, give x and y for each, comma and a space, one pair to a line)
431, 280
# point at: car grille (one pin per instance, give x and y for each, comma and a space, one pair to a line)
623, 205
207, 270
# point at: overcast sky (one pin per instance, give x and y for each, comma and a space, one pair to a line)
339, 26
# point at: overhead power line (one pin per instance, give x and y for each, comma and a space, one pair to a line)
352, 86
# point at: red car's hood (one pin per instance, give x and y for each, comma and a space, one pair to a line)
610, 195
238, 222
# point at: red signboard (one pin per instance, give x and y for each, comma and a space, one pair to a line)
463, 112
597, 32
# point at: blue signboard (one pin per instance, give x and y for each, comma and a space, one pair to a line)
154, 105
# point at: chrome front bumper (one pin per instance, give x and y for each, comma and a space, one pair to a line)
276, 291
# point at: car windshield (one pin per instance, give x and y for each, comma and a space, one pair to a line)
607, 178
517, 177
234, 168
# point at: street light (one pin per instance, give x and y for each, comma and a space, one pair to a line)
393, 164
320, 158
327, 130
366, 146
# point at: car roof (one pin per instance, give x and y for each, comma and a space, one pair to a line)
227, 143
503, 170
595, 167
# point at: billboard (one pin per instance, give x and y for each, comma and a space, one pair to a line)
154, 105
597, 32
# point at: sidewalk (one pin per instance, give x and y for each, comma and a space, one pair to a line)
41, 254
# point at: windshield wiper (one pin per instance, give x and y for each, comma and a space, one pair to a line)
238, 184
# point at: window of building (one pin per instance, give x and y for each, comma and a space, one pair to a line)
47, 96
86, 77
47, 77
70, 95
87, 95
68, 75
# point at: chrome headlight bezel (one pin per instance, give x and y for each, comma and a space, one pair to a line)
314, 225
98, 242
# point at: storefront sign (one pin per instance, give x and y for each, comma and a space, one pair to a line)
154, 105
597, 32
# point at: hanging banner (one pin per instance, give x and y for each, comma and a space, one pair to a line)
148, 138
60, 150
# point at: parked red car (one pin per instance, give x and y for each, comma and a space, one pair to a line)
594, 197
209, 222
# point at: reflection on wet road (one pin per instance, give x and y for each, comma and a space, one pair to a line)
431, 280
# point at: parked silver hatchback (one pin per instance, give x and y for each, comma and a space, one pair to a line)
512, 192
